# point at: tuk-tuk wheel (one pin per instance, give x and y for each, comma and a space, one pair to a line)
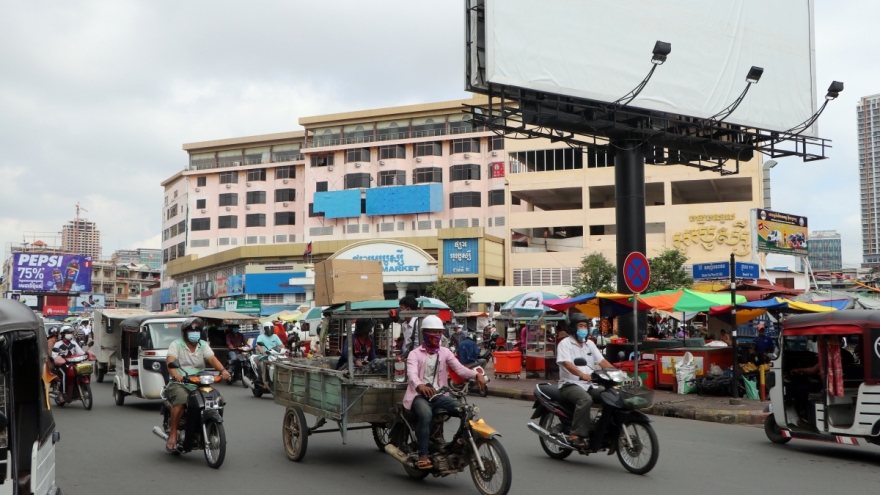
99, 374
774, 433
295, 433
118, 396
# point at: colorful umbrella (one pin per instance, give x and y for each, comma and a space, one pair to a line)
527, 305
594, 304
684, 300
751, 310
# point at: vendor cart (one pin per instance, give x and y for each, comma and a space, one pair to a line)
354, 398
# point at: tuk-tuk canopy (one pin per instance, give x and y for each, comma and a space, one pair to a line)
228, 317
133, 324
16, 316
844, 322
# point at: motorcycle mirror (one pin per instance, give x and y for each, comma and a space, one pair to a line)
173, 365
580, 361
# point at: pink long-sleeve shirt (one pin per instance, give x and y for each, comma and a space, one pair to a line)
415, 371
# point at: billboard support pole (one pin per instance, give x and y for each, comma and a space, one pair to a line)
629, 197
735, 400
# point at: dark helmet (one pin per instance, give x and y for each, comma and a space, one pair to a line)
363, 325
53, 332
576, 317
195, 324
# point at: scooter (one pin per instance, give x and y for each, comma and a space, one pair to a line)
236, 366
618, 428
201, 426
79, 368
252, 378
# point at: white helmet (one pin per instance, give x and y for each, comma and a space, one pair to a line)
432, 322
268, 328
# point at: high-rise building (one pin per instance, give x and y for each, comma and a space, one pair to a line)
868, 112
825, 251
81, 236
141, 256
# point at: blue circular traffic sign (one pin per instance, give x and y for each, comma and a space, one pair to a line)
636, 272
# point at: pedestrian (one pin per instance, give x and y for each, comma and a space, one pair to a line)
763, 345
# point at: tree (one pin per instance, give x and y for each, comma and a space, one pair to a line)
596, 274
667, 271
452, 291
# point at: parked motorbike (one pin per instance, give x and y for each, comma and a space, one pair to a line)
201, 426
475, 445
236, 366
618, 427
252, 377
79, 368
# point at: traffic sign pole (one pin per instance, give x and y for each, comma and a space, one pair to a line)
636, 334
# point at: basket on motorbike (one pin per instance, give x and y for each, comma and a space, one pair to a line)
634, 398
83, 369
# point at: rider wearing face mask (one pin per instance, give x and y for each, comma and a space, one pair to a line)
574, 381
265, 342
65, 348
192, 354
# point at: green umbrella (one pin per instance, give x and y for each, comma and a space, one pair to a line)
684, 300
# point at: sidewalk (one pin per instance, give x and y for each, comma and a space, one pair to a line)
666, 403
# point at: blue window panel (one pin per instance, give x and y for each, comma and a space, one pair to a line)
338, 204
402, 200
272, 283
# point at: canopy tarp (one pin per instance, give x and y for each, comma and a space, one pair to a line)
594, 304
839, 299
527, 304
753, 309
427, 303
226, 316
286, 316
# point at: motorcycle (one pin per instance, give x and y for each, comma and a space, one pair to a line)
201, 426
252, 378
459, 384
617, 428
79, 368
475, 445
237, 365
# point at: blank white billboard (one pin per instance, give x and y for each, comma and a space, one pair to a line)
601, 49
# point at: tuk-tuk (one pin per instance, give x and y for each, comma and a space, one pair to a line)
105, 329
27, 428
216, 324
826, 379
142, 346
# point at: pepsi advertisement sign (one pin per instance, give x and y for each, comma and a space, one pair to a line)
51, 272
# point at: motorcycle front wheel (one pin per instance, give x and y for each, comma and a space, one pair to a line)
551, 423
641, 456
215, 444
85, 393
497, 476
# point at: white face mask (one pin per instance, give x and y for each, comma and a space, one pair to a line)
67, 336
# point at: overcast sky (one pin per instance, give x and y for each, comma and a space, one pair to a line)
97, 97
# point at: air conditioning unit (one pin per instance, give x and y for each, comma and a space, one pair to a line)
330, 168
197, 189
284, 203
358, 165
494, 153
228, 186
204, 210
285, 181
247, 184
236, 164
228, 208
467, 155
381, 162
248, 207
467, 182
419, 159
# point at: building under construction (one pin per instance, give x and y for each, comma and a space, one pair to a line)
81, 236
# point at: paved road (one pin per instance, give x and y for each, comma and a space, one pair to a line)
111, 450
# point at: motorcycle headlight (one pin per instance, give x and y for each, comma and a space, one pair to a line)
616, 375
206, 380
156, 366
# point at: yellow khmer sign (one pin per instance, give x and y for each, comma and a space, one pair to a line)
710, 236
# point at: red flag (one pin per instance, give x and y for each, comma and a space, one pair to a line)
308, 250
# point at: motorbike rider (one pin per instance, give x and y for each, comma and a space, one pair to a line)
426, 370
265, 342
61, 351
458, 334
192, 354
469, 352
362, 347
575, 383
234, 341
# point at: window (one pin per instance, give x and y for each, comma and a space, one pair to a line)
165, 234
227, 222
200, 224
255, 220
322, 160
464, 199
256, 197
172, 212
464, 172
460, 124
285, 172
386, 152
428, 149
173, 230
496, 197
181, 249
464, 145
312, 211
496, 143
229, 177
392, 178
428, 127
357, 155
229, 199
201, 161
201, 204
285, 195
358, 133
393, 130
285, 218
514, 200
181, 227
353, 181
286, 153
256, 156
427, 174
201, 181
321, 186
257, 174
231, 158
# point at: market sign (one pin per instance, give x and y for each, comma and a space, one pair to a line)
245, 306
51, 272
186, 298
781, 233
396, 258
461, 257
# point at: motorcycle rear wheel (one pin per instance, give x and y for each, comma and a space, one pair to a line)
381, 435
257, 391
642, 457
86, 395
497, 477
215, 444
416, 473
551, 423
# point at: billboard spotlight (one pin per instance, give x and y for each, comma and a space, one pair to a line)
661, 50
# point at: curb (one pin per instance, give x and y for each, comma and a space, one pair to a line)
669, 410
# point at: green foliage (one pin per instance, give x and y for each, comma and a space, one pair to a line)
452, 291
596, 274
667, 271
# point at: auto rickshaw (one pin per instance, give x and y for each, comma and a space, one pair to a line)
27, 428
105, 329
142, 347
825, 379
